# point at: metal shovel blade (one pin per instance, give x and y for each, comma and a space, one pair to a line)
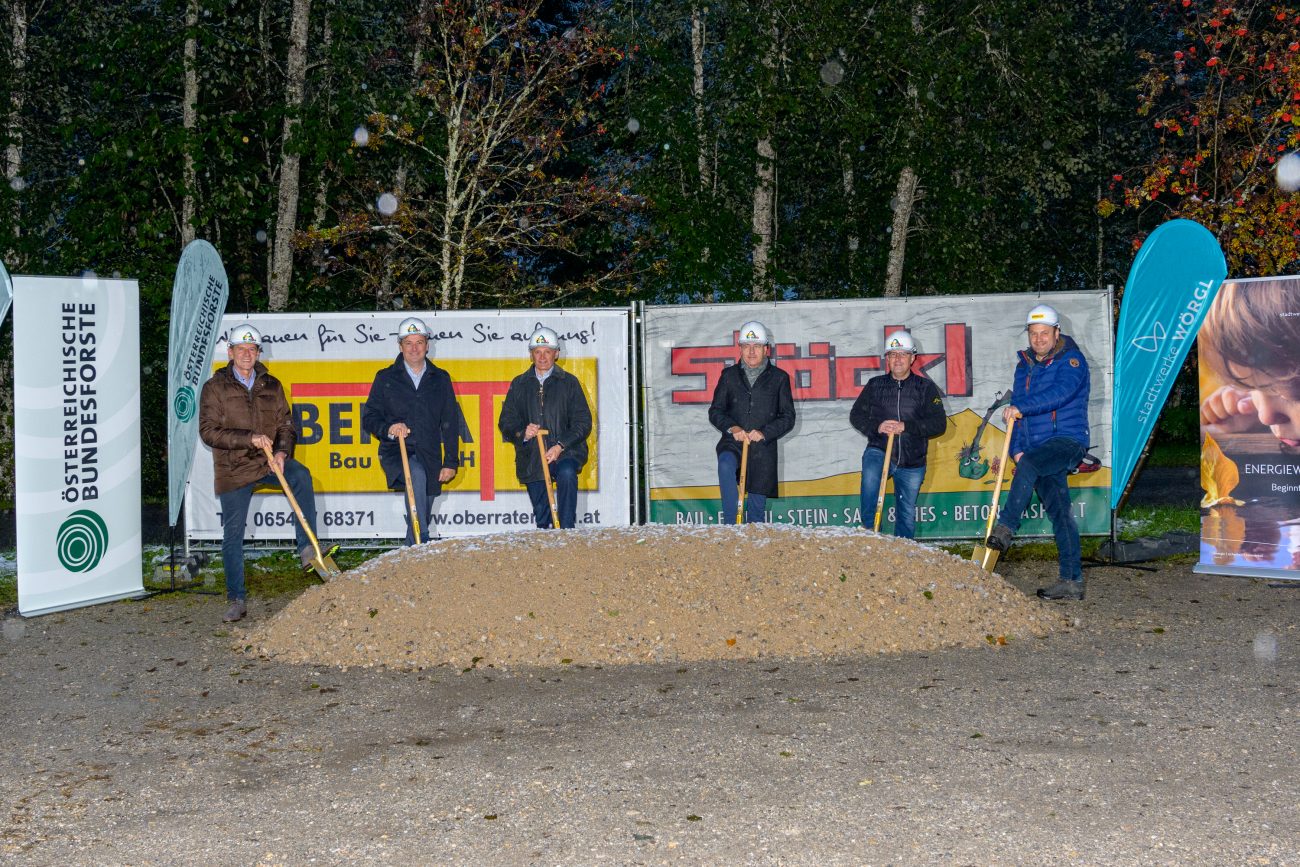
324, 565
985, 556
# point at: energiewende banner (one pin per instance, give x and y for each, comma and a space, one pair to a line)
830, 349
1249, 350
76, 441
327, 362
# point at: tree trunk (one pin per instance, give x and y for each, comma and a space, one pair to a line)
14, 149
763, 224
697, 88
852, 242
190, 120
905, 201
286, 217
764, 199
384, 299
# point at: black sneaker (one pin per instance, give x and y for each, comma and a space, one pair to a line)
1000, 539
1064, 590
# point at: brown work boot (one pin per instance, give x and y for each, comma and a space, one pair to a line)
238, 608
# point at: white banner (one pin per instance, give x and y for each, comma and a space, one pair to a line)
967, 345
327, 362
76, 441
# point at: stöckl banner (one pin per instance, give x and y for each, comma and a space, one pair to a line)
967, 346
76, 441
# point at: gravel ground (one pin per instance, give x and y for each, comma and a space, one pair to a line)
1161, 727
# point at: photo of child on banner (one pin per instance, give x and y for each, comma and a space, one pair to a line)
1250, 429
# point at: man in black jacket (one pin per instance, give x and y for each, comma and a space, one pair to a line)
909, 406
544, 397
413, 398
753, 402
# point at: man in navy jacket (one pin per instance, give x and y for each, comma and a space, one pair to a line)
909, 406
413, 398
1050, 397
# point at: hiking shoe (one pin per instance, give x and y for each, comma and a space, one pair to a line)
1000, 539
238, 608
1066, 590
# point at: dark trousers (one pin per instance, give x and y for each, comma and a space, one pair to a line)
1044, 469
564, 473
234, 519
423, 502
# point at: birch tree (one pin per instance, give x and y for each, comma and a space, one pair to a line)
189, 121
490, 130
280, 265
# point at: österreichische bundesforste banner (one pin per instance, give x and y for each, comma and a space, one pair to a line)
1169, 290
198, 299
76, 441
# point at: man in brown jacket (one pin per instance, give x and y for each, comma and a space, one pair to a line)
242, 411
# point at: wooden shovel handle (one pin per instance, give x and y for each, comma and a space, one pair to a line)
884, 480
997, 485
744, 465
297, 510
546, 474
410, 494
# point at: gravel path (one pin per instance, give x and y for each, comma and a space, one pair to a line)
1161, 728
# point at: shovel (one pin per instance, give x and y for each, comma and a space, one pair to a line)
410, 494
884, 480
546, 474
985, 556
324, 564
744, 465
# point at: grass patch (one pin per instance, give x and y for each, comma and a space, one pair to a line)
1174, 454
1135, 522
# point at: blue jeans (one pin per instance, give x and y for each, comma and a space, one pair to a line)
1045, 469
423, 502
729, 488
564, 473
907, 484
234, 518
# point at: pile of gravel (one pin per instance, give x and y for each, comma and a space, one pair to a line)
647, 594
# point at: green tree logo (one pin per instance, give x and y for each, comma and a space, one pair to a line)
83, 539
183, 405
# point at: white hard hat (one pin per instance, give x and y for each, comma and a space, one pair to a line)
245, 335
754, 332
1043, 315
900, 341
544, 338
412, 326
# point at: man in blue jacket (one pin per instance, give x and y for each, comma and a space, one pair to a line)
414, 398
1050, 397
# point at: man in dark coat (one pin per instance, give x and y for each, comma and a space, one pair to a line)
413, 399
909, 406
547, 398
242, 412
752, 402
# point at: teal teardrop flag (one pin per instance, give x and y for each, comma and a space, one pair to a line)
199, 296
1170, 288
6, 292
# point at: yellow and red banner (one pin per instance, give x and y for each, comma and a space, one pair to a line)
327, 363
